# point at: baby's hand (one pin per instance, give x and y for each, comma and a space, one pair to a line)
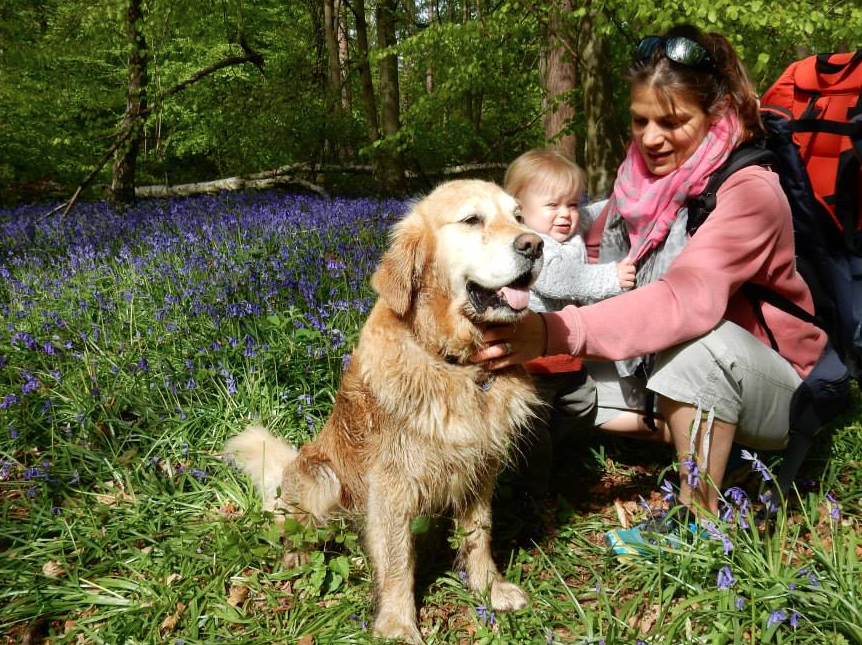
626, 274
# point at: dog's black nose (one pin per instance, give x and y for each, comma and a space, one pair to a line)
529, 245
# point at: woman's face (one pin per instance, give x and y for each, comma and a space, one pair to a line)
666, 132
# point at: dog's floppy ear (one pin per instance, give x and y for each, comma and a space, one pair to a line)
398, 274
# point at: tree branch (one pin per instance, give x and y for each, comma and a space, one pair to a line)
250, 56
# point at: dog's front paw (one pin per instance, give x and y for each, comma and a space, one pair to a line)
389, 625
294, 559
506, 596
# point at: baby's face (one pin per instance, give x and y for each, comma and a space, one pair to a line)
554, 213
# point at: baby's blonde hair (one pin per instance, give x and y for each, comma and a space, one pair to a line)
544, 169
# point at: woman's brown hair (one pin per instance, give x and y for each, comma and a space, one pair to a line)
709, 87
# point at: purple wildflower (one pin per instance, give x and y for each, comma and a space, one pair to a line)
794, 619
740, 603
31, 383
8, 401
776, 618
715, 534
834, 507
725, 579
667, 488
200, 475
486, 617
692, 471
757, 466
768, 503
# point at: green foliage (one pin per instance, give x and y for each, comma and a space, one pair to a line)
63, 76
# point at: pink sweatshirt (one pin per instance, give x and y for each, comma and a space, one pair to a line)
748, 237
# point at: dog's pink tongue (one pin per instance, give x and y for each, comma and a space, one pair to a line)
517, 298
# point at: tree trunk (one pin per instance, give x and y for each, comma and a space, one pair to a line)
344, 57
126, 156
391, 165
559, 71
366, 85
604, 143
431, 8
333, 72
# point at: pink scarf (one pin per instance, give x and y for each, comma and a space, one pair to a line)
649, 204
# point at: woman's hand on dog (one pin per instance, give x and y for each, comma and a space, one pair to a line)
513, 344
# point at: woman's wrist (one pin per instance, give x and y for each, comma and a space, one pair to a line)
560, 337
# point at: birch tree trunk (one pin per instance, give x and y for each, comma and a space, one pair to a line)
131, 128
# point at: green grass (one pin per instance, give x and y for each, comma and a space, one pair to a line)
134, 530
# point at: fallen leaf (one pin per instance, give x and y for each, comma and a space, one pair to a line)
53, 569
237, 595
621, 513
170, 622
308, 639
648, 619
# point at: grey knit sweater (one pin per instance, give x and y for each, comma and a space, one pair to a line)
566, 276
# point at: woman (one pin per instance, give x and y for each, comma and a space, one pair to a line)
710, 365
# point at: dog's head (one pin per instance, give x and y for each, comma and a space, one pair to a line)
467, 243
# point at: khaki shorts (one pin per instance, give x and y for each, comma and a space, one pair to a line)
727, 370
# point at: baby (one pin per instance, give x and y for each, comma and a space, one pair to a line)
549, 187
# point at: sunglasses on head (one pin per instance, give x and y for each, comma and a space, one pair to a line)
677, 49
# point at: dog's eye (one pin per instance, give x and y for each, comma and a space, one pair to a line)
518, 217
472, 220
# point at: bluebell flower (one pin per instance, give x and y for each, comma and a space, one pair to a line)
668, 490
484, 615
757, 466
794, 619
693, 472
740, 603
776, 618
716, 534
725, 579
834, 508
812, 578
31, 383
8, 401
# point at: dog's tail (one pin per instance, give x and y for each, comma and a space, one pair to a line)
262, 457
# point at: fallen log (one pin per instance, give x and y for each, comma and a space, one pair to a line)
230, 184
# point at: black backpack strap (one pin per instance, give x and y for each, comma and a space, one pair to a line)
825, 67
765, 294
754, 153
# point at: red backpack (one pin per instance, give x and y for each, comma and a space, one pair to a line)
820, 98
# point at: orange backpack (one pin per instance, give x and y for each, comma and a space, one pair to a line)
820, 100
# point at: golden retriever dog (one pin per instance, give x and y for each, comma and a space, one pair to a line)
416, 428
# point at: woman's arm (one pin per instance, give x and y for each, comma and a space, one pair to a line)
748, 236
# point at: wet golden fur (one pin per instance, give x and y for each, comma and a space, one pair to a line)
412, 431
